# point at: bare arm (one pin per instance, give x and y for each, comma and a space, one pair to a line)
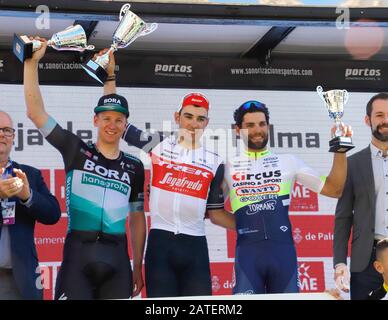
32, 95
110, 86
137, 225
222, 218
335, 181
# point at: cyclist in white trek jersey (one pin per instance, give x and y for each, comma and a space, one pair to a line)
186, 181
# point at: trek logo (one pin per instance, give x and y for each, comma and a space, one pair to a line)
366, 72
240, 176
173, 68
112, 100
185, 169
108, 173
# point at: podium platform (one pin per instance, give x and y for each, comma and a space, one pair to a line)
282, 296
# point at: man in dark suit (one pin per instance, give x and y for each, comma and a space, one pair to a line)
24, 199
363, 207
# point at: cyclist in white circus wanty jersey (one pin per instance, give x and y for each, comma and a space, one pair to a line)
260, 183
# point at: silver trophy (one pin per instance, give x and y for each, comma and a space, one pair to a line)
335, 101
129, 29
73, 38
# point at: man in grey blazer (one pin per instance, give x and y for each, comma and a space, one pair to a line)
363, 207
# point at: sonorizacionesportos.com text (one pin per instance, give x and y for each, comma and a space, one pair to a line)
272, 71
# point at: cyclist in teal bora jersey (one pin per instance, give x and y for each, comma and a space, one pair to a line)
103, 185
260, 184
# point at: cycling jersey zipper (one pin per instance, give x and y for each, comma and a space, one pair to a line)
178, 195
262, 215
264, 228
102, 210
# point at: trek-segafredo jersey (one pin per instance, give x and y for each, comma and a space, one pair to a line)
99, 192
259, 185
184, 182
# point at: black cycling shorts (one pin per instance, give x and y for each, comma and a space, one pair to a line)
176, 265
95, 266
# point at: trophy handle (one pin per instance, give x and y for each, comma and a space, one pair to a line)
319, 90
124, 9
346, 96
320, 93
150, 27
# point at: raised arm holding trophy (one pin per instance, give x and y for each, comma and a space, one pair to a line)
129, 29
335, 101
73, 38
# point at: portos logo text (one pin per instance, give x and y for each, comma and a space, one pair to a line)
365, 72
177, 68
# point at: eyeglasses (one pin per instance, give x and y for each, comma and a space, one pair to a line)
7, 131
255, 104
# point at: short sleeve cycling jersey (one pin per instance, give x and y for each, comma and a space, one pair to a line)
260, 185
100, 192
184, 182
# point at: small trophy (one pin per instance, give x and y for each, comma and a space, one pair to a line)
73, 38
129, 29
335, 101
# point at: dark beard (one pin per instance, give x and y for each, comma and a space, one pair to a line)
378, 135
258, 146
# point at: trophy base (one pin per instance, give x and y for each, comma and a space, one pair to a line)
95, 71
341, 144
22, 47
